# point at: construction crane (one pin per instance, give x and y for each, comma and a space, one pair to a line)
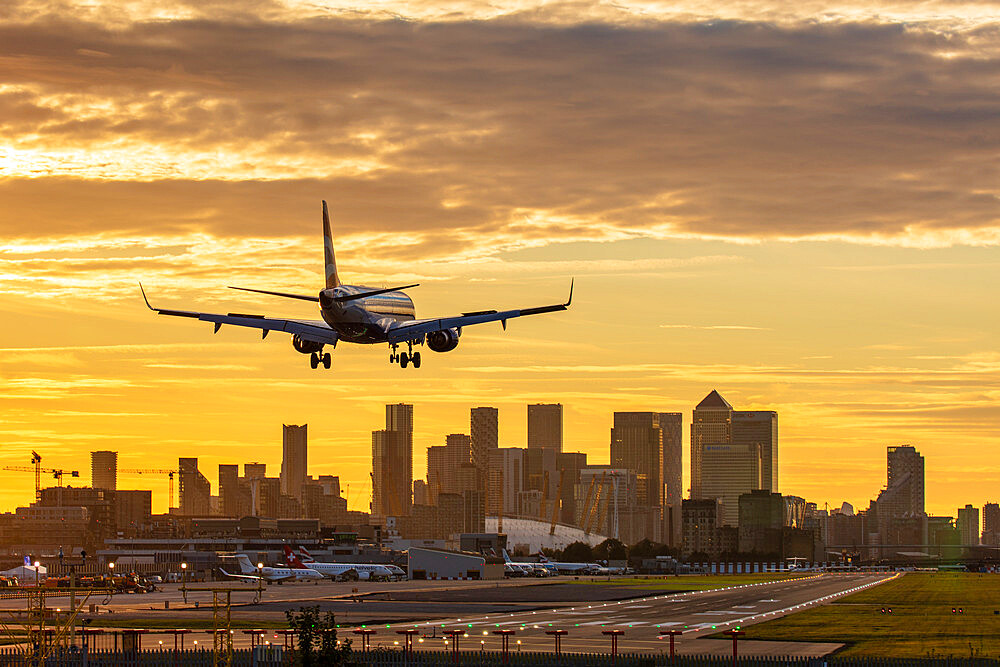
592, 512
500, 507
154, 471
36, 467
556, 502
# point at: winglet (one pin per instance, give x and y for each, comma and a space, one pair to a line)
144, 298
570, 299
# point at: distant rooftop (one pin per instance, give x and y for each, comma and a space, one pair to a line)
714, 400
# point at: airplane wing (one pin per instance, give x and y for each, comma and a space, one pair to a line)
414, 329
316, 331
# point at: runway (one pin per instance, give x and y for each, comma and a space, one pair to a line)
529, 607
695, 614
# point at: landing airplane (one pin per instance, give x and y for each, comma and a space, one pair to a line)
271, 573
365, 315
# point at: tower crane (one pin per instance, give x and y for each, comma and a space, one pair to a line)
36, 467
154, 471
556, 503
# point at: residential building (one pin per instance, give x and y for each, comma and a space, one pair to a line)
991, 524
193, 488
700, 524
392, 463
104, 470
484, 432
968, 525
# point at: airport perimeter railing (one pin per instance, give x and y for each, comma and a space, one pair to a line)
275, 656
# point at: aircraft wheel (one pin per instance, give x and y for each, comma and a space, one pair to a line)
415, 359
392, 358
314, 360
404, 359
327, 360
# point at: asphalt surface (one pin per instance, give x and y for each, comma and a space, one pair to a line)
530, 607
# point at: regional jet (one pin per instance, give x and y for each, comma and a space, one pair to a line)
341, 571
358, 314
271, 573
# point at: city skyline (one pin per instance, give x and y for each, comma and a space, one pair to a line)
360, 499
831, 257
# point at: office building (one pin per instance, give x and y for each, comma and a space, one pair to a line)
968, 525
570, 465
637, 444
484, 427
760, 428
392, 463
671, 424
711, 424
729, 471
504, 480
133, 509
255, 470
194, 490
104, 470
761, 519
545, 426
294, 459
991, 524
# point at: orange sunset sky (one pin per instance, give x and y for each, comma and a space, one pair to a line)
793, 203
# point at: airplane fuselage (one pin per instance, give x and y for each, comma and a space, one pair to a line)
365, 320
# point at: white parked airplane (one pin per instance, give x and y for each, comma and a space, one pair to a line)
341, 571
271, 573
569, 568
365, 315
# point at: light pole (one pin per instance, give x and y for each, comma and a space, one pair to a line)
558, 634
614, 634
260, 580
38, 566
672, 634
734, 634
505, 637
184, 572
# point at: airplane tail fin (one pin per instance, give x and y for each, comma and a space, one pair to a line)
246, 567
305, 556
506, 556
542, 558
293, 560
329, 258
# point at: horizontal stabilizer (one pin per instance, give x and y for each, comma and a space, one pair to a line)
304, 297
365, 295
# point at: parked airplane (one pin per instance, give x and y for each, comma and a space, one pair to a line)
307, 559
516, 569
341, 571
569, 568
271, 573
357, 314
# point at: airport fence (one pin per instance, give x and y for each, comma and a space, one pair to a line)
276, 656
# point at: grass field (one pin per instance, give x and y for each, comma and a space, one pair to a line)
921, 622
693, 582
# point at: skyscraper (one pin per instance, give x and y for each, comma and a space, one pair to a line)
392, 463
484, 430
729, 471
545, 426
991, 524
711, 424
673, 470
760, 427
294, 459
104, 470
194, 489
505, 480
637, 444
905, 471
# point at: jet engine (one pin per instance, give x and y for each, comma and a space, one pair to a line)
306, 346
443, 341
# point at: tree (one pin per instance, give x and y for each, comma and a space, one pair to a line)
610, 549
578, 552
317, 638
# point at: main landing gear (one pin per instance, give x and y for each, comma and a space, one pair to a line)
404, 359
315, 359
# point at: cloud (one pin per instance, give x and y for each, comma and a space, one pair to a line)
471, 134
711, 327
